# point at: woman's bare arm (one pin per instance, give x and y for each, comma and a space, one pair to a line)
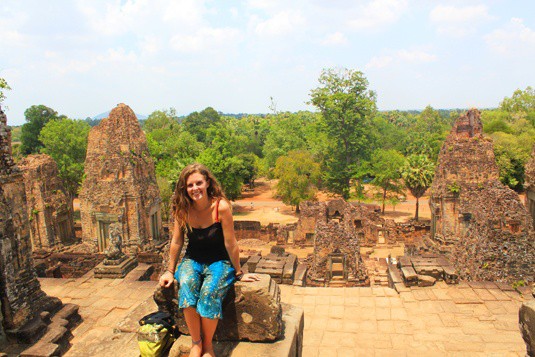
177, 241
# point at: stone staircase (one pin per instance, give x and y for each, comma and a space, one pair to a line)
56, 338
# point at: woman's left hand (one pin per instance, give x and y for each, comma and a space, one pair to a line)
250, 277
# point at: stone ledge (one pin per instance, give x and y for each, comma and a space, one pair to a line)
290, 345
526, 317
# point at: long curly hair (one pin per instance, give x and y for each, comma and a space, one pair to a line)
181, 200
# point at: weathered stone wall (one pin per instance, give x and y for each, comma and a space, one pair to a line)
20, 292
477, 221
49, 208
529, 185
120, 184
251, 230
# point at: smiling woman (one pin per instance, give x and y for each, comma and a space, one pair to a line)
211, 263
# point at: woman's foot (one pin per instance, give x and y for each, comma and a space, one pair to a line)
196, 348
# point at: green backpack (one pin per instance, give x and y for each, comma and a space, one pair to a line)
156, 334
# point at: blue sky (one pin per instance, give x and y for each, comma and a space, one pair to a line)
81, 58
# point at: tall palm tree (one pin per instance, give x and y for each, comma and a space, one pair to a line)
418, 173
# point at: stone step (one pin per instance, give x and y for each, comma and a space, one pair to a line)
68, 312
30, 332
42, 349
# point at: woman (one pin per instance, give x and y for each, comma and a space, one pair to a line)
212, 260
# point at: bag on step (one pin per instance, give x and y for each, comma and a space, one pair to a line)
156, 334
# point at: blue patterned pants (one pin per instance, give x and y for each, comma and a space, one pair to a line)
204, 286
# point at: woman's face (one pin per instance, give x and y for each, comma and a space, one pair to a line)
196, 186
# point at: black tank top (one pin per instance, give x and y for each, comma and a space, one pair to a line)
207, 245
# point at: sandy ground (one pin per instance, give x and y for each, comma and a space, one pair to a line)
262, 205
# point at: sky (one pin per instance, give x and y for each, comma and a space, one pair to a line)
82, 58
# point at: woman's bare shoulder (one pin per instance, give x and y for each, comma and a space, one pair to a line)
224, 206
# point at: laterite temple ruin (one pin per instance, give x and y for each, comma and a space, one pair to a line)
477, 221
49, 208
26, 312
120, 184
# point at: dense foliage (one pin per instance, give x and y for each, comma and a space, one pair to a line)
345, 143
37, 116
65, 140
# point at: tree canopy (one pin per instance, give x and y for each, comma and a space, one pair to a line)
37, 116
298, 176
65, 140
347, 107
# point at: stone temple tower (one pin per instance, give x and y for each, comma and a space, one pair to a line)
480, 223
120, 184
21, 297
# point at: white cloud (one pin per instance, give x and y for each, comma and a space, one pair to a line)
379, 62
513, 39
334, 39
406, 56
378, 13
205, 39
458, 21
281, 23
416, 56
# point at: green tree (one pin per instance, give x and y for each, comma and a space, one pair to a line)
520, 101
418, 172
512, 152
250, 167
197, 123
347, 106
298, 176
3, 86
229, 171
65, 140
172, 149
161, 119
37, 116
386, 171
288, 132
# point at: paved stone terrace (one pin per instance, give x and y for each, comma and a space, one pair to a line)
443, 320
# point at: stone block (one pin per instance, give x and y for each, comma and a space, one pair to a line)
289, 269
394, 276
115, 271
426, 280
450, 275
430, 270
253, 262
300, 275
251, 311
409, 276
289, 345
526, 318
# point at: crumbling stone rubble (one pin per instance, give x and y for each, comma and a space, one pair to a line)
49, 209
480, 224
278, 264
120, 184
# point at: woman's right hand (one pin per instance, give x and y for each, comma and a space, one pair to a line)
166, 280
